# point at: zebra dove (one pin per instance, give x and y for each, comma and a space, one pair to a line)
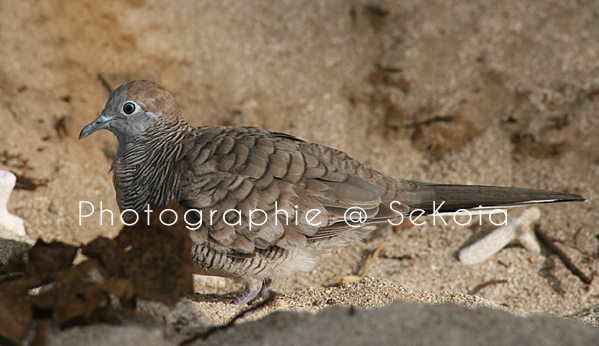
270, 203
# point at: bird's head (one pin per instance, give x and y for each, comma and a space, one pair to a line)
133, 108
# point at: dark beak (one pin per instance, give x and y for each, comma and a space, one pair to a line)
100, 123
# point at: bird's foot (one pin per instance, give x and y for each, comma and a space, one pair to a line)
250, 295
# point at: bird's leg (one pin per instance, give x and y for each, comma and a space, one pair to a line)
250, 294
264, 292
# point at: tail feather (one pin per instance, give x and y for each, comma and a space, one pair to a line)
419, 195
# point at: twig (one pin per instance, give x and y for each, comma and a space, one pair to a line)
480, 287
27, 183
548, 243
433, 119
105, 83
206, 334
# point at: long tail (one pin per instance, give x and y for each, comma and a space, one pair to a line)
419, 195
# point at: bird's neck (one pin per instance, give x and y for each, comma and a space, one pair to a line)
145, 167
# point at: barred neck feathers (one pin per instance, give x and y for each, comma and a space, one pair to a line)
145, 167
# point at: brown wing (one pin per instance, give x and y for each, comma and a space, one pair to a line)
304, 189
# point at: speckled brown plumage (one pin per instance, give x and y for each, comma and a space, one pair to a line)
215, 169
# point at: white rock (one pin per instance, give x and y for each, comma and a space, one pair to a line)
519, 229
11, 226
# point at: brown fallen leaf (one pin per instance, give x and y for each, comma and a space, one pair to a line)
15, 312
156, 258
22, 273
83, 295
43, 259
149, 262
47, 258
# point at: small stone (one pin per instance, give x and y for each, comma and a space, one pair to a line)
279, 303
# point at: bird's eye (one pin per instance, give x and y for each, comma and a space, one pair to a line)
129, 108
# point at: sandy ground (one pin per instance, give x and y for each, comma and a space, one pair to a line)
448, 92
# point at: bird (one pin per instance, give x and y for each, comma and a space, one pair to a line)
303, 191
